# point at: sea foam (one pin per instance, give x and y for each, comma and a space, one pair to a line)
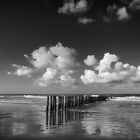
126, 98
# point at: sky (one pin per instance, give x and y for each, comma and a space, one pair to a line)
70, 46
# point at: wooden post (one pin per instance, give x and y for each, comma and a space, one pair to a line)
74, 101
57, 103
49, 107
64, 103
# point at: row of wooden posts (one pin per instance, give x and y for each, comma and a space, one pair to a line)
63, 102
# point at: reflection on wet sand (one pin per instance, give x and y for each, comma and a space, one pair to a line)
93, 121
57, 118
91, 124
19, 128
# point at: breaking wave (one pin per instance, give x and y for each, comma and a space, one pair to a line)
34, 96
126, 98
1, 96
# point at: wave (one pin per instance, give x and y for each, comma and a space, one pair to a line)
94, 95
15, 102
11, 96
34, 96
31, 102
1, 96
126, 98
23, 96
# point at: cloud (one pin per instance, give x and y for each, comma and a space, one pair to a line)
89, 77
111, 70
21, 70
54, 65
49, 74
56, 56
111, 13
47, 77
63, 56
116, 13
41, 58
135, 4
66, 79
57, 65
54, 76
112, 9
90, 60
85, 20
122, 14
105, 63
71, 7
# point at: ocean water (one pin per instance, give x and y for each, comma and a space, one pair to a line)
25, 116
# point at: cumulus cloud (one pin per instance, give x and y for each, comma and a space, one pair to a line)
53, 76
66, 79
49, 74
122, 14
56, 64
85, 20
116, 13
105, 63
71, 7
47, 77
90, 60
21, 70
135, 4
111, 70
56, 56
41, 57
89, 77
112, 9
63, 56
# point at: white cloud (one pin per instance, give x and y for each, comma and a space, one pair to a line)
66, 79
47, 77
59, 50
63, 56
41, 57
110, 70
90, 60
122, 14
21, 70
89, 77
85, 20
54, 76
49, 74
71, 7
56, 64
56, 56
105, 63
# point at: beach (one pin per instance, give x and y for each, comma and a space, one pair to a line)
25, 117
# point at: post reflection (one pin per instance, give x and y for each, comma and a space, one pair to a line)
61, 117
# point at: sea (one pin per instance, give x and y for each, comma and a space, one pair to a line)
25, 117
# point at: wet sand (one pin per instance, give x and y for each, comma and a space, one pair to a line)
28, 119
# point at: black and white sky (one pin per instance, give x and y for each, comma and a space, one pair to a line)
70, 46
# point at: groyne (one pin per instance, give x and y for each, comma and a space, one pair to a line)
62, 102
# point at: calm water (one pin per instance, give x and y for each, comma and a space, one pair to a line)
26, 116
